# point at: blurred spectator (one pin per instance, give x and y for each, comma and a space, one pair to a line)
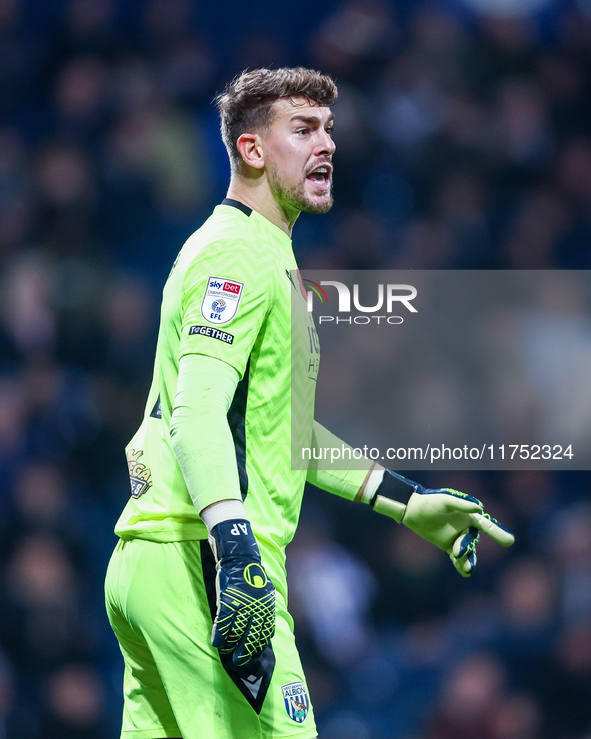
334, 591
463, 142
564, 684
354, 39
28, 315
570, 543
473, 693
41, 604
75, 704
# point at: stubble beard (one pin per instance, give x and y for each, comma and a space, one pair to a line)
294, 196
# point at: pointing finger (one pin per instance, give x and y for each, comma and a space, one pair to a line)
489, 525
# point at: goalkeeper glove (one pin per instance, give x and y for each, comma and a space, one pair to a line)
245, 619
447, 518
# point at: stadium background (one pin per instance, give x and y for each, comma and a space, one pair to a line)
464, 141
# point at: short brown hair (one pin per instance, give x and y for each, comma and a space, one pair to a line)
246, 103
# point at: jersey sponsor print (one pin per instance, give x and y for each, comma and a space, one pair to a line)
212, 332
221, 300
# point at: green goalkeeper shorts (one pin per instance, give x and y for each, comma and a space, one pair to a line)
161, 603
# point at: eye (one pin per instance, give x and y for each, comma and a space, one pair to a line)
302, 131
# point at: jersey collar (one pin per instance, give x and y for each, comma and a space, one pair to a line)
237, 204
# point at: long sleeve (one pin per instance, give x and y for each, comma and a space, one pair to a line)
344, 482
201, 436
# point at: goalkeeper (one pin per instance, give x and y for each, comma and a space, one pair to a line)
196, 588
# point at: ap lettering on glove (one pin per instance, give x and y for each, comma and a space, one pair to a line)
245, 618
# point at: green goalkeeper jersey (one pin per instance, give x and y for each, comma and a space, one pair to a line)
233, 294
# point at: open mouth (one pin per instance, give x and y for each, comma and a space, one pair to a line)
320, 177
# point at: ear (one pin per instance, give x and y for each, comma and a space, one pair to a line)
251, 150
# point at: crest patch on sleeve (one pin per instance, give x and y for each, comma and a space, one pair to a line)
221, 300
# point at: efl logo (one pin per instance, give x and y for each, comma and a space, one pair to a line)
221, 300
232, 287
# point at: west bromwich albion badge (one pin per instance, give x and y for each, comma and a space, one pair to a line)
296, 701
221, 300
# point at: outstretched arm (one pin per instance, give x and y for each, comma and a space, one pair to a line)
447, 518
344, 482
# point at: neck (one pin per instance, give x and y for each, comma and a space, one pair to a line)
256, 194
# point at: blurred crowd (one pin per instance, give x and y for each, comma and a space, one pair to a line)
463, 141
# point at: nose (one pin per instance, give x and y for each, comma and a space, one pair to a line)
326, 145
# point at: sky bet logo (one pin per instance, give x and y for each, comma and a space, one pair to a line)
221, 300
388, 297
231, 287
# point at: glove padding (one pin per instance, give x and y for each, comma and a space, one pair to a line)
447, 518
453, 521
245, 619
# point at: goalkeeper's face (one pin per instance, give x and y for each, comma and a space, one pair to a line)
298, 149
